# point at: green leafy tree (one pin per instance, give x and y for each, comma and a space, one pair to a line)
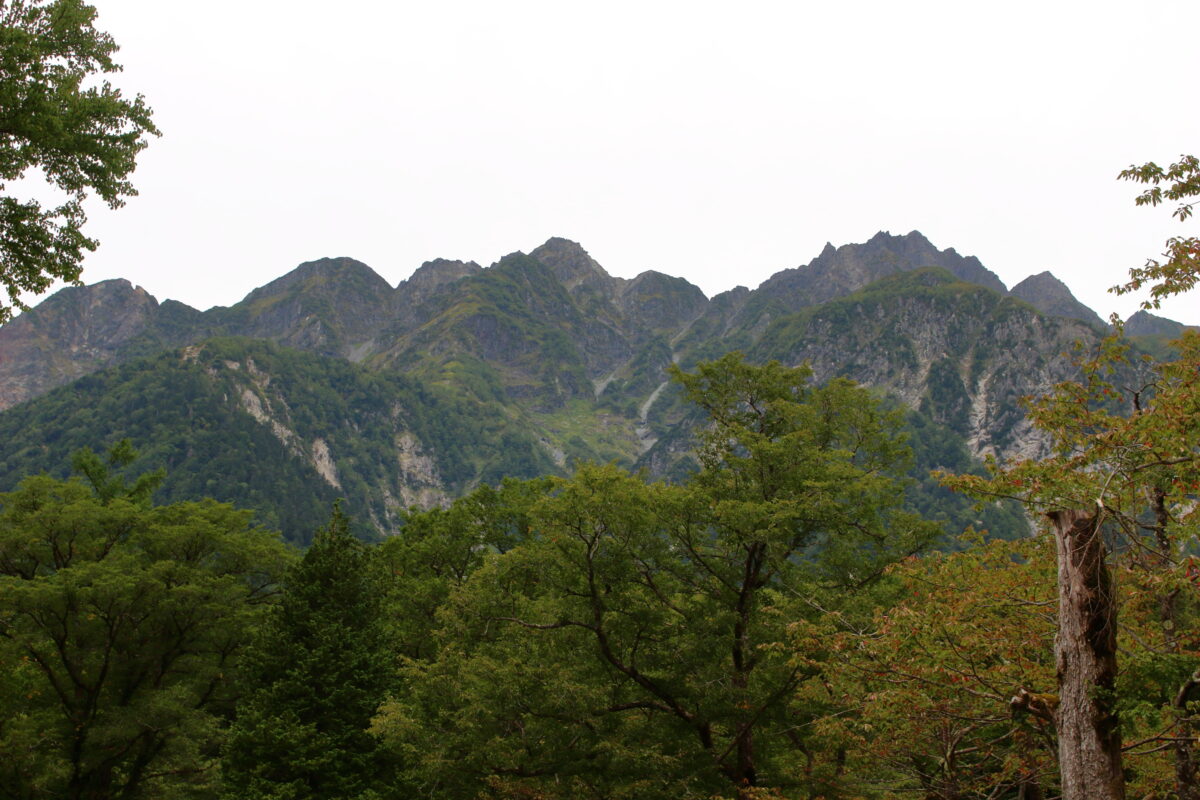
121, 625
55, 121
1124, 472
314, 679
439, 549
635, 645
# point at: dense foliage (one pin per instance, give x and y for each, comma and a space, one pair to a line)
82, 138
632, 639
188, 413
313, 679
121, 629
1121, 490
761, 629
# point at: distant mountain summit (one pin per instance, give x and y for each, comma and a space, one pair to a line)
80, 329
327, 306
1051, 296
432, 275
574, 268
837, 272
1143, 323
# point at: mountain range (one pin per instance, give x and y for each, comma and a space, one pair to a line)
330, 382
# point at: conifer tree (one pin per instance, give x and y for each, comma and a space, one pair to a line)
314, 680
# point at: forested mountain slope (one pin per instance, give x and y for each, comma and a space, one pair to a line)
276, 430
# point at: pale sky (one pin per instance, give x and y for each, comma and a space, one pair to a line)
720, 142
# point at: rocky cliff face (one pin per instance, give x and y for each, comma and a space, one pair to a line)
79, 330
837, 272
1143, 323
332, 306
959, 352
433, 275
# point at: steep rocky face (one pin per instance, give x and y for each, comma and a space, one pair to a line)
661, 303
717, 323
463, 375
1051, 296
432, 275
547, 327
577, 271
607, 339
276, 430
76, 331
553, 334
839, 271
511, 329
962, 354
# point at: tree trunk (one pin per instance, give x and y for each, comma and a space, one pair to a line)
1085, 652
1187, 785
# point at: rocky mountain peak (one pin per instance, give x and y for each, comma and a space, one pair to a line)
438, 272
573, 267
329, 306
1051, 296
106, 312
1143, 323
69, 334
322, 272
839, 271
915, 249
658, 301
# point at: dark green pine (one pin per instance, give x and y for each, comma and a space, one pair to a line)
314, 680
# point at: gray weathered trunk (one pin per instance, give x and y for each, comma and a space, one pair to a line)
1085, 651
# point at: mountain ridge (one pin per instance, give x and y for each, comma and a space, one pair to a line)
557, 360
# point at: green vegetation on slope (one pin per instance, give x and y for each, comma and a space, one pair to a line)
186, 412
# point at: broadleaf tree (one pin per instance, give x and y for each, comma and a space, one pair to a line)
61, 123
121, 627
636, 644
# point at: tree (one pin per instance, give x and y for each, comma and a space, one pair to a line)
1125, 471
121, 625
928, 683
439, 549
314, 679
1181, 269
635, 644
83, 139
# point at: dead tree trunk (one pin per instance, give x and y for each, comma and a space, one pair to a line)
1085, 654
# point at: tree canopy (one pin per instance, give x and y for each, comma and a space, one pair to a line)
317, 672
1122, 480
121, 626
633, 642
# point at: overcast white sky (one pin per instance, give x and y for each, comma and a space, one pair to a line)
717, 141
